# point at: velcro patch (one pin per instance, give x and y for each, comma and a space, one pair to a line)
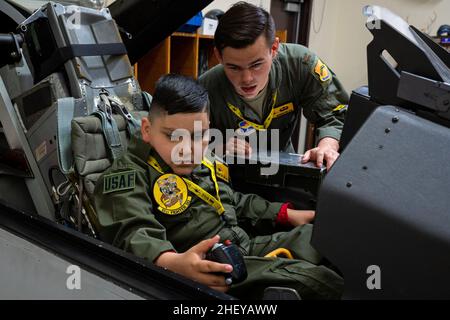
222, 171
120, 181
322, 71
283, 110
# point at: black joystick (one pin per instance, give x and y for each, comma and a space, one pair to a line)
229, 254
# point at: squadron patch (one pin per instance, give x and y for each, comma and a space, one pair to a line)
171, 193
322, 71
119, 181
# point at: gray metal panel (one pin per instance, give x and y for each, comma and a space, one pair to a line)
43, 143
14, 192
17, 140
386, 202
29, 272
28, 5
118, 67
17, 78
11, 12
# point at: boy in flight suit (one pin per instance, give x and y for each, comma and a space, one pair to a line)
172, 212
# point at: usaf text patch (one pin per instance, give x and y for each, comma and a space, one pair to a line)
119, 181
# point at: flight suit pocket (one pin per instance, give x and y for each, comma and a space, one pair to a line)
317, 282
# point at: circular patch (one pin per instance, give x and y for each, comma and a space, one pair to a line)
171, 194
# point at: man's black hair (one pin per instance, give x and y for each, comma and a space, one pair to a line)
179, 94
242, 25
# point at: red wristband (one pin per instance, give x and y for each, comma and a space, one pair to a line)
282, 217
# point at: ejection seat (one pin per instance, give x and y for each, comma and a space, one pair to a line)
93, 153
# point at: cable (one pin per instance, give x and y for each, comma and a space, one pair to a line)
317, 29
67, 185
50, 175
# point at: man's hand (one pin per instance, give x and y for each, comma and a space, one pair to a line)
327, 150
238, 146
192, 265
300, 217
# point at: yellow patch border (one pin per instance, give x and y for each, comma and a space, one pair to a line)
181, 184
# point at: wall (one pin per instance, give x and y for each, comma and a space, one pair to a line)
226, 4
341, 37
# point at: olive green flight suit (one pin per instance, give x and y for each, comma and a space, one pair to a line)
129, 218
297, 76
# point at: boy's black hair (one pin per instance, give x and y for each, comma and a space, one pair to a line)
179, 94
242, 25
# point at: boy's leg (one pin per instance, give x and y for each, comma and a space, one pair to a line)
297, 241
310, 281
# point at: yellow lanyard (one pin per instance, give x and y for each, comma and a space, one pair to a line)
257, 126
196, 189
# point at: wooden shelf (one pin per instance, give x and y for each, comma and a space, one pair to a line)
184, 34
153, 65
204, 36
180, 53
184, 53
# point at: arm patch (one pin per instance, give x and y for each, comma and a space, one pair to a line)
322, 71
120, 181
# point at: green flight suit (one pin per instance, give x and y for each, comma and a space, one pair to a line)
297, 76
129, 218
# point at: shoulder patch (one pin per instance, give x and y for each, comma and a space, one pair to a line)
119, 181
222, 171
322, 71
